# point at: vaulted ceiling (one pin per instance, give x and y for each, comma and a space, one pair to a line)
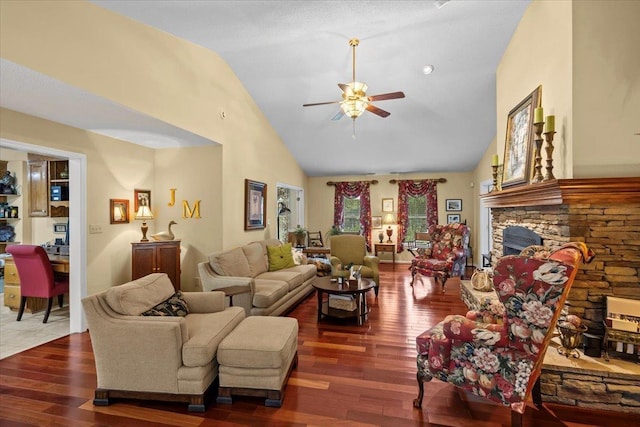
288, 53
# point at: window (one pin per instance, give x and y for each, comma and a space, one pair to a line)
351, 211
417, 216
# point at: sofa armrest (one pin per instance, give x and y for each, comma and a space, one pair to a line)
211, 281
124, 345
371, 261
204, 302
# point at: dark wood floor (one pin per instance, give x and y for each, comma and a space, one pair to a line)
347, 375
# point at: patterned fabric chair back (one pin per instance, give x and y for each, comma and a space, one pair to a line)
448, 237
532, 295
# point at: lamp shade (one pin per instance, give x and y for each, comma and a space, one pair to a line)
144, 213
389, 219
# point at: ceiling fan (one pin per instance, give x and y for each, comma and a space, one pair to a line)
354, 95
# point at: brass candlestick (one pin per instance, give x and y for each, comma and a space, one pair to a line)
549, 149
495, 178
537, 177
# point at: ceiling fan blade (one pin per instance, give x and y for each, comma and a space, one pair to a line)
378, 111
321, 103
384, 96
338, 116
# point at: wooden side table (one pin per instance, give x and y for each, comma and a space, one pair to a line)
386, 247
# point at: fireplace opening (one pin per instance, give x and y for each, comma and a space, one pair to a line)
516, 238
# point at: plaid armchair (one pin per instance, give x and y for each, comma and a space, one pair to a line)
497, 352
446, 257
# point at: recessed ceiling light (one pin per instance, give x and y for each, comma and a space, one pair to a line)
428, 69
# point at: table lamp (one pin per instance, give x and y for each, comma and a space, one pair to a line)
144, 214
389, 220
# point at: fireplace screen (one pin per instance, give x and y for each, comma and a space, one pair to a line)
516, 238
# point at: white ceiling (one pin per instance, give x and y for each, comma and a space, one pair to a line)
288, 53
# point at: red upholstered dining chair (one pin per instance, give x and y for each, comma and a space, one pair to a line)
497, 352
37, 278
446, 257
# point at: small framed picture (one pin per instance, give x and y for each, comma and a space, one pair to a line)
387, 205
141, 198
376, 222
119, 211
453, 205
453, 218
255, 204
59, 228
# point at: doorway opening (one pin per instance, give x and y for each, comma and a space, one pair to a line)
485, 225
289, 210
77, 224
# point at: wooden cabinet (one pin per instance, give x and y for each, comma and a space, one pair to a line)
48, 188
12, 290
59, 188
38, 187
156, 257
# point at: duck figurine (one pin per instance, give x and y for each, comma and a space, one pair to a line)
164, 235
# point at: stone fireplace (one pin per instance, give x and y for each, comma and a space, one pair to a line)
604, 213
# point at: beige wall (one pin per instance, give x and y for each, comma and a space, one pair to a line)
166, 78
585, 55
539, 53
606, 88
321, 196
202, 182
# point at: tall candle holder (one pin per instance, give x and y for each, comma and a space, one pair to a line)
497, 170
537, 177
549, 149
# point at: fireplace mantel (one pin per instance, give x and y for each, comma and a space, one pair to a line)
567, 192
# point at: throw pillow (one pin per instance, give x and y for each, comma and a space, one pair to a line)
297, 256
280, 257
174, 306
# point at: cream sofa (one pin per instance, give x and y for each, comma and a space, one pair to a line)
156, 357
243, 273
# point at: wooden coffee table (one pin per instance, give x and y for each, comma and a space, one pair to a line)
330, 286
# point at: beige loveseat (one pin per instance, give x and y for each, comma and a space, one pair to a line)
156, 357
243, 273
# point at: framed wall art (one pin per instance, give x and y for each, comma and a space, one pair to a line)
141, 198
451, 218
376, 222
453, 205
255, 204
519, 141
119, 211
387, 205
59, 228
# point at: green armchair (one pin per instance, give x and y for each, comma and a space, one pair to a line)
352, 249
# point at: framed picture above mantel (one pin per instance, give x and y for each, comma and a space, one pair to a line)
518, 144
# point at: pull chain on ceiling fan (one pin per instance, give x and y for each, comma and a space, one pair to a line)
354, 96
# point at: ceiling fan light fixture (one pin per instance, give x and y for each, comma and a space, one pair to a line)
353, 107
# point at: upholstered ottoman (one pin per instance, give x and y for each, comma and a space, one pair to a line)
256, 359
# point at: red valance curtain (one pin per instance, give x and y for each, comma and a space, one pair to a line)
406, 188
353, 190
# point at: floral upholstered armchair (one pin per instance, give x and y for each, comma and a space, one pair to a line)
497, 352
446, 257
